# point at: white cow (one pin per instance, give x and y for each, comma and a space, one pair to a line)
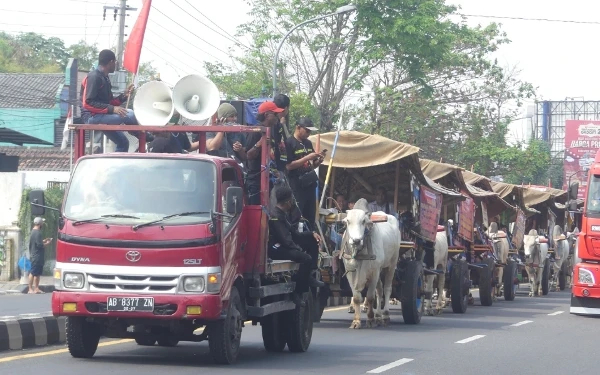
536, 250
561, 253
385, 242
502, 247
440, 262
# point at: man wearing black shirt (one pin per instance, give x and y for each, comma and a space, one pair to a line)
302, 160
226, 145
286, 243
268, 116
36, 254
172, 142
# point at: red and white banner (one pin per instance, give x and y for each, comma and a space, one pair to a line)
582, 142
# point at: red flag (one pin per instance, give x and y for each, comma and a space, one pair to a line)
133, 49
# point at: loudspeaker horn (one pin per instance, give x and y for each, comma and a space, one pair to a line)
153, 104
196, 97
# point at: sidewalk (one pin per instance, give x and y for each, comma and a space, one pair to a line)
15, 286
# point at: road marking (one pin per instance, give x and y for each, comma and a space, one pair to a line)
107, 343
7, 317
58, 351
469, 339
556, 313
383, 368
521, 323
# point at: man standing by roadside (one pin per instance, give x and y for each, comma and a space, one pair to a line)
98, 106
36, 254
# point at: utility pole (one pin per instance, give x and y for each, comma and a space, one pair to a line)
121, 11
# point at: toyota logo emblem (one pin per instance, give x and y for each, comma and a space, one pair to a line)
133, 256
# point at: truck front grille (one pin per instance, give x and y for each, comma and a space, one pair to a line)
132, 283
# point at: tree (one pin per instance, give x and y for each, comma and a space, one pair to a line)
31, 52
86, 54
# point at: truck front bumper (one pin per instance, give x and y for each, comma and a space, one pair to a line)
166, 307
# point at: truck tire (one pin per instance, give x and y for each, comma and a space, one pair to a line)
459, 275
82, 337
273, 332
224, 336
168, 342
546, 277
562, 276
300, 325
411, 295
486, 274
145, 341
509, 276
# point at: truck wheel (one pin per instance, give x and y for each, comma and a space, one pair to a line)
411, 296
509, 276
145, 341
459, 277
273, 332
546, 277
300, 325
82, 337
168, 342
486, 274
224, 336
562, 276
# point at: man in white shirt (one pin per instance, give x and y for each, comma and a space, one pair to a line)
381, 203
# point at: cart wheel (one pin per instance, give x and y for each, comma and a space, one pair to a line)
82, 337
510, 274
459, 278
412, 293
546, 277
273, 332
562, 276
486, 274
300, 325
224, 336
321, 299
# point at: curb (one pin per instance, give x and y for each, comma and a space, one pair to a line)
24, 288
29, 333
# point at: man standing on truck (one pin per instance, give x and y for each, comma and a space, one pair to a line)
286, 243
36, 253
98, 106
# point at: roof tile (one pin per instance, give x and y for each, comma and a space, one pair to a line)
39, 158
29, 90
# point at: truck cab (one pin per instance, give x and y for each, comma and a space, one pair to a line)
163, 248
585, 297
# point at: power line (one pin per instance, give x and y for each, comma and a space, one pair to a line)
530, 19
51, 26
47, 13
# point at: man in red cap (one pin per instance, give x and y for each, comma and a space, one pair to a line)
268, 116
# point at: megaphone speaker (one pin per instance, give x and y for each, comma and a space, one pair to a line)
196, 97
153, 104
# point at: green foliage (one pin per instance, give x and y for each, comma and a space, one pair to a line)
86, 54
301, 106
53, 198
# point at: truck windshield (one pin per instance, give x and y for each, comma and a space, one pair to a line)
136, 190
593, 196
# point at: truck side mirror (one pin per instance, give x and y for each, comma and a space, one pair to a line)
573, 190
36, 199
234, 198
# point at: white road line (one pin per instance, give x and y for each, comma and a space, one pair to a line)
469, 339
7, 317
383, 368
521, 323
556, 313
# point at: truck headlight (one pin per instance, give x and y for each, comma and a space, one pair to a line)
585, 276
194, 284
73, 280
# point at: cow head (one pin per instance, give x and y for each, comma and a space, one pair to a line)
358, 223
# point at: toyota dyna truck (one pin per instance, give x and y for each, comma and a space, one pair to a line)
585, 293
162, 248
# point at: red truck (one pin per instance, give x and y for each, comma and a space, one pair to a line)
585, 294
154, 247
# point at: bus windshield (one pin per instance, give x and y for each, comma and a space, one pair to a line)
137, 190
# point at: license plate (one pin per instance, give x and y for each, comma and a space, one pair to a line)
130, 304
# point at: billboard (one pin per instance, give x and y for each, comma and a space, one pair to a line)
582, 141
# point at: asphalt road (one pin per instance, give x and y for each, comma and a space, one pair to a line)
533, 336
21, 305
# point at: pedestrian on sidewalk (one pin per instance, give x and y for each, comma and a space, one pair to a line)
36, 253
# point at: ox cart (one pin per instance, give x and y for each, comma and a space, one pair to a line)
466, 225
417, 203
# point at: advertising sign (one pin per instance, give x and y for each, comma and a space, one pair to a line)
519, 229
466, 219
582, 141
430, 211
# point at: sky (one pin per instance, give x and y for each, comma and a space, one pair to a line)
556, 57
